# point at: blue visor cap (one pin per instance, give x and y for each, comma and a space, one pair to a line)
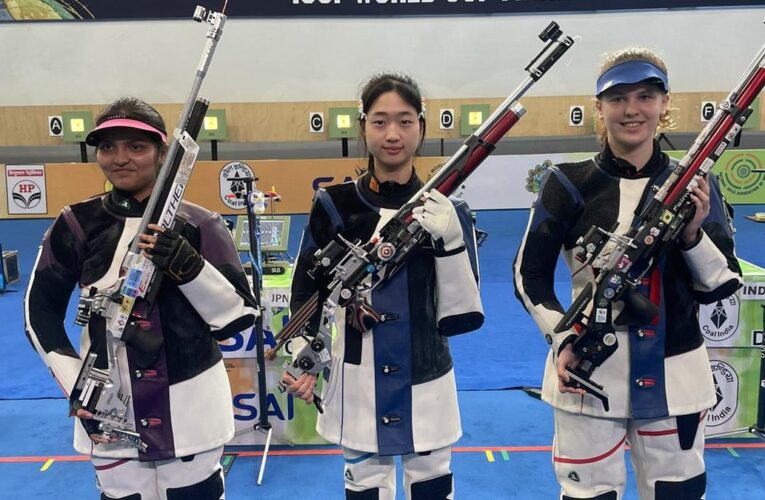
631, 72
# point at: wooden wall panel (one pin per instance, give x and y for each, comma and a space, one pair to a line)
288, 121
294, 180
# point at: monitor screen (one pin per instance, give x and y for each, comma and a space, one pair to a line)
274, 233
10, 266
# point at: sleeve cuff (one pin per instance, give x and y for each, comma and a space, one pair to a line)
707, 265
441, 251
569, 339
696, 241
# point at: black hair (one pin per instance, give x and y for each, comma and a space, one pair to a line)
404, 86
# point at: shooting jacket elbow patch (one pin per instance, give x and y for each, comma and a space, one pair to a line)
64, 369
708, 266
215, 298
458, 294
461, 323
238, 325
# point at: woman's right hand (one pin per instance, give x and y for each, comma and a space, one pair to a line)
566, 359
301, 388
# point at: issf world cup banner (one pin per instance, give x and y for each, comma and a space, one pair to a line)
31, 10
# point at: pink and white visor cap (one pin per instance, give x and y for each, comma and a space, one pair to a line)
124, 122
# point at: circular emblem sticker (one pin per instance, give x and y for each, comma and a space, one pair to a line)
232, 188
726, 392
386, 251
719, 320
738, 175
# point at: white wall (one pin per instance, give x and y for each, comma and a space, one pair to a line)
328, 59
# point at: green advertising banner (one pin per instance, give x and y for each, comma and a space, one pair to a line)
293, 421
740, 183
737, 320
732, 330
736, 374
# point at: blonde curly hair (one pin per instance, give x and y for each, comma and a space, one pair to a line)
667, 119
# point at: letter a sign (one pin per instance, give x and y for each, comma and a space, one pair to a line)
55, 126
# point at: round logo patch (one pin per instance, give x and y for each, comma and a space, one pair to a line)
536, 176
738, 176
719, 320
233, 191
726, 391
26, 194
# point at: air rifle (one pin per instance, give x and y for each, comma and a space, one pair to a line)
129, 301
623, 263
347, 264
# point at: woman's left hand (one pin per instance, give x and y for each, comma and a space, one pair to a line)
171, 253
700, 198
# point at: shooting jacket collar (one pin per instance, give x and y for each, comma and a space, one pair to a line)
619, 167
388, 194
125, 205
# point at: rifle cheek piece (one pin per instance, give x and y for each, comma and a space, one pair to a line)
638, 309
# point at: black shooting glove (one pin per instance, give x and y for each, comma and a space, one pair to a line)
175, 257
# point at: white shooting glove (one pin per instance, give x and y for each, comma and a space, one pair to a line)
438, 217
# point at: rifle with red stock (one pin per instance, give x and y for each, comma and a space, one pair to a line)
659, 225
348, 263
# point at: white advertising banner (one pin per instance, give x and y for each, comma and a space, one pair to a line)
276, 303
25, 189
511, 182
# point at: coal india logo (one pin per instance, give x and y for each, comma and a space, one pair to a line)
719, 320
726, 394
738, 175
26, 194
233, 190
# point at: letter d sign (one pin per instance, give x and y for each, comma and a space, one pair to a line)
446, 120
